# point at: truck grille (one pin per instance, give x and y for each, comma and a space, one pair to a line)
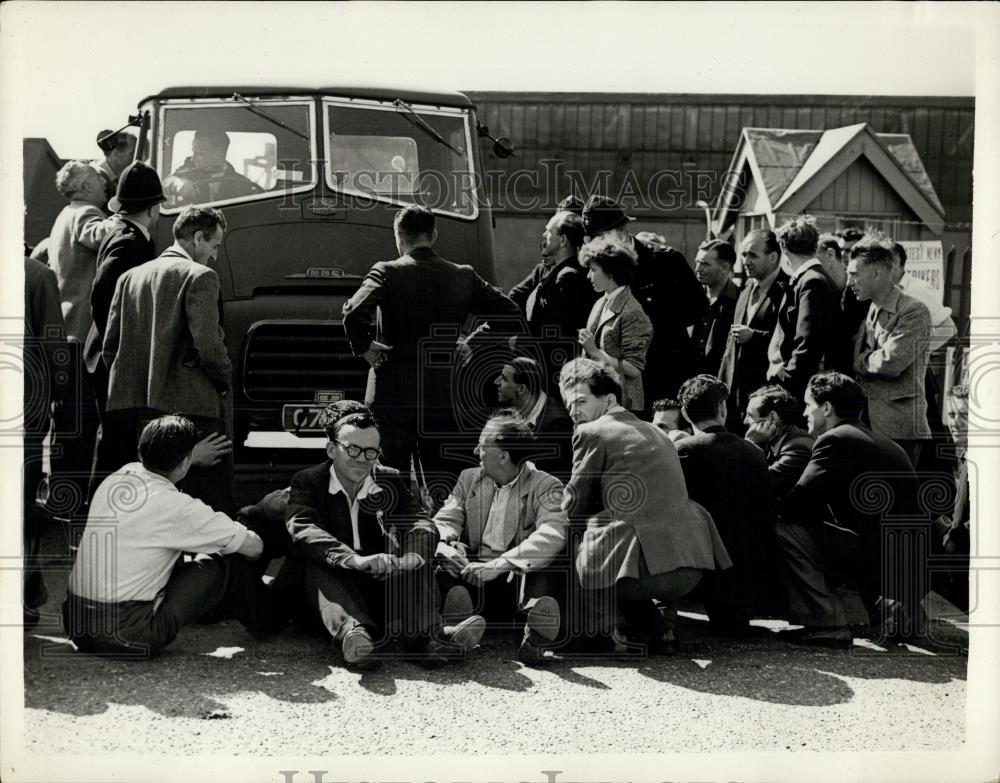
290, 361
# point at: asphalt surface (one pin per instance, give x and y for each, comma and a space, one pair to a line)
219, 690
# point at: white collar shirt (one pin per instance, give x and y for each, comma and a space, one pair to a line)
368, 487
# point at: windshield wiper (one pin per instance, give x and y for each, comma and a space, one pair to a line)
415, 119
261, 113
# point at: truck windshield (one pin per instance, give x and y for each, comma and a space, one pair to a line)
401, 153
223, 152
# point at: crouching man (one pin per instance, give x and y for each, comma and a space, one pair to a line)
363, 550
644, 537
504, 519
129, 592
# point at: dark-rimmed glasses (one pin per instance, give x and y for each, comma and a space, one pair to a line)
371, 453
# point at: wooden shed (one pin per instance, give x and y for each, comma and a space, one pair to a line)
845, 177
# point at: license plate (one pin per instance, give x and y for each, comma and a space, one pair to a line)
302, 419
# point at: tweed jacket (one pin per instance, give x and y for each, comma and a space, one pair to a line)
623, 331
626, 473
164, 345
124, 247
806, 334
420, 301
534, 526
890, 362
744, 367
390, 520
76, 235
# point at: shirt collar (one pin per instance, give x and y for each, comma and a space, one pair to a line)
177, 249
511, 483
536, 412
806, 266
368, 486
891, 303
768, 281
614, 294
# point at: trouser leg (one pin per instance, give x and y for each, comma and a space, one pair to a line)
635, 598
339, 595
812, 600
213, 484
74, 437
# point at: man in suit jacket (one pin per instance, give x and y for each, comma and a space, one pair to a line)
165, 348
728, 476
415, 397
362, 550
891, 349
771, 420
519, 386
744, 361
835, 523
807, 337
556, 297
668, 291
644, 537
505, 517
714, 269
136, 205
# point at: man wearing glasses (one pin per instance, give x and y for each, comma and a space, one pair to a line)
363, 550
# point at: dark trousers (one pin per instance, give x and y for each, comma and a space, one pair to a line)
951, 549
402, 605
76, 424
209, 583
35, 592
503, 603
634, 598
213, 485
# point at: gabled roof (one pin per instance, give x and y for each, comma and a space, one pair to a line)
792, 167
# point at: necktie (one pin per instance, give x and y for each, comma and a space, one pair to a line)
755, 294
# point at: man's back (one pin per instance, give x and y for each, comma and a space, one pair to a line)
164, 344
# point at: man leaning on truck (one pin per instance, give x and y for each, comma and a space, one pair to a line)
418, 294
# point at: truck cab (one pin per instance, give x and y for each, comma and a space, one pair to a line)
309, 180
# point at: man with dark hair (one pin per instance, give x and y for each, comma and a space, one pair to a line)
807, 336
728, 476
772, 421
415, 398
644, 537
714, 269
828, 254
668, 418
668, 291
129, 592
556, 297
362, 550
165, 348
891, 350
505, 518
119, 150
519, 386
206, 176
835, 527
744, 362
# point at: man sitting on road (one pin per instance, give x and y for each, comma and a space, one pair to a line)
772, 425
128, 594
363, 550
667, 416
504, 519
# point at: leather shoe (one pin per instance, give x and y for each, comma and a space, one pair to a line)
358, 647
544, 618
837, 637
467, 634
457, 605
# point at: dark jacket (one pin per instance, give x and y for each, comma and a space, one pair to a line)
123, 248
711, 333
744, 367
44, 344
807, 336
425, 302
389, 521
192, 185
673, 299
554, 440
787, 458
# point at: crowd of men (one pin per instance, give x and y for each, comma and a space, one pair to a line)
653, 433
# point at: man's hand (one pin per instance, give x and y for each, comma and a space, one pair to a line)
481, 573
411, 561
377, 354
463, 345
586, 338
210, 450
380, 565
741, 333
762, 432
777, 372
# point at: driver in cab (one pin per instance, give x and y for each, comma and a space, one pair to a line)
206, 176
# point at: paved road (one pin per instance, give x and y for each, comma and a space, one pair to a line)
219, 690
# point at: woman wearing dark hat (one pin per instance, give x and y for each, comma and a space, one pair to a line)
618, 330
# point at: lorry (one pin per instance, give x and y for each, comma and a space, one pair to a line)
311, 182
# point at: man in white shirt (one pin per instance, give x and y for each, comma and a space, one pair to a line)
127, 593
501, 528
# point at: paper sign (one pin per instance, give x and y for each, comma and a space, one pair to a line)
926, 261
